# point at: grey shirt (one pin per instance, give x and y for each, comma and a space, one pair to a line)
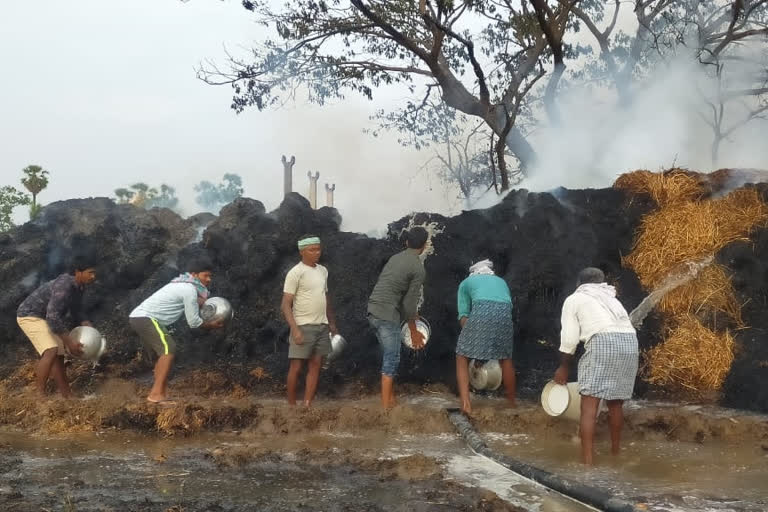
396, 295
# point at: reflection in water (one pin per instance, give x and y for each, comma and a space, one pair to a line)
676, 476
483, 472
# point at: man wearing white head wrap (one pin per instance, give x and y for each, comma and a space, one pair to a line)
608, 368
483, 267
485, 314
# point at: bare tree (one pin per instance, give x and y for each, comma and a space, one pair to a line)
329, 47
123, 195
718, 33
716, 108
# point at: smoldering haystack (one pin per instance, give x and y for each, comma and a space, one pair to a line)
537, 241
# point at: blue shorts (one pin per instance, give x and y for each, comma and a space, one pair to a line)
390, 339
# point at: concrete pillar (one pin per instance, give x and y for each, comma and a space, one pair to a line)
329, 194
313, 189
288, 175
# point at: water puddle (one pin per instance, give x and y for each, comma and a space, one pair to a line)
128, 472
668, 476
354, 457
511, 487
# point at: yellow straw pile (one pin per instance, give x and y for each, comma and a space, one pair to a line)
687, 228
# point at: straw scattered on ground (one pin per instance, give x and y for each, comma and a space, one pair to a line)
692, 357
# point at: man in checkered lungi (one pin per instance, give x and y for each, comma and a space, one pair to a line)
608, 368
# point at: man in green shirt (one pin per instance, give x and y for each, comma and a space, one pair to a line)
395, 299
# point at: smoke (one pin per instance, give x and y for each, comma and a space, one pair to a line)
124, 128
664, 125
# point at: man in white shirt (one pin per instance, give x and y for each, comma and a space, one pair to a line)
307, 309
183, 295
608, 368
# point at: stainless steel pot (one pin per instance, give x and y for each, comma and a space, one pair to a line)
215, 309
338, 344
485, 376
94, 344
421, 325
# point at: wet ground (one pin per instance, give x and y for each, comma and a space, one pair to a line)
74, 476
323, 470
222, 448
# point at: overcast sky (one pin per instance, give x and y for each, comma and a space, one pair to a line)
103, 94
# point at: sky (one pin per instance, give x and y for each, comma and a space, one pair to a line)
103, 94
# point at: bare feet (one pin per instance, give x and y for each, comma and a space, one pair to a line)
160, 400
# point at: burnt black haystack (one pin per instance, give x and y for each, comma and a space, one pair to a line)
538, 242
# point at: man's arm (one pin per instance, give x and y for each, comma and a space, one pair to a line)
192, 308
59, 304
561, 374
411, 299
569, 340
331, 314
463, 303
286, 306
62, 294
411, 307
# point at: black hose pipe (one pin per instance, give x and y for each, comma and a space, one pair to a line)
580, 492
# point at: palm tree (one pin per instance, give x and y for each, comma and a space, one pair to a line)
123, 195
140, 197
35, 180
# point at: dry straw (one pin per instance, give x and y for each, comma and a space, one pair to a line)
710, 294
687, 228
692, 357
686, 231
665, 188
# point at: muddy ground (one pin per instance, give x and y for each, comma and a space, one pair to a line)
230, 448
213, 401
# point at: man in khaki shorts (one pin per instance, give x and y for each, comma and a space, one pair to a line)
46, 317
307, 309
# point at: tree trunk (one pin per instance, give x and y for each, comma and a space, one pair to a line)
457, 96
502, 165
715, 153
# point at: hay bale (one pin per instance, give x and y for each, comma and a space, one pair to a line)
705, 296
688, 231
665, 188
692, 357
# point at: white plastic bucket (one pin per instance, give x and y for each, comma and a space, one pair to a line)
564, 401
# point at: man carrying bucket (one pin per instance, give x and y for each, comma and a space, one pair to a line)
307, 309
485, 315
608, 368
150, 320
394, 299
46, 316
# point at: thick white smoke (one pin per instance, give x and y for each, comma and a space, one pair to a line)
663, 126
